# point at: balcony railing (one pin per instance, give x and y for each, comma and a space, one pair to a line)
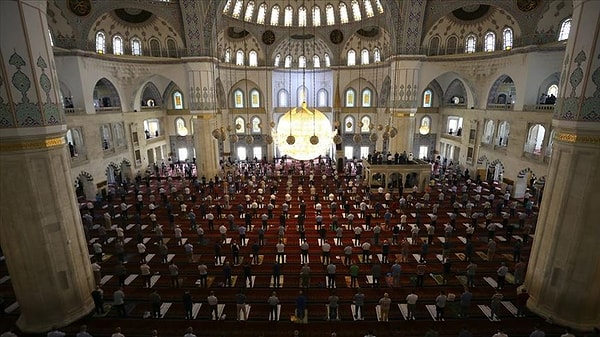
538, 107
495, 106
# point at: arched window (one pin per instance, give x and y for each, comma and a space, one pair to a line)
282, 99
302, 16
288, 61
535, 138
350, 98
249, 11
379, 6
177, 100
490, 42
238, 98
330, 15
322, 98
507, 39
136, 47
376, 55
154, 48
316, 61
343, 13
100, 43
287, 16
434, 45
503, 134
364, 56
451, 45
565, 29
302, 95
237, 9
180, 127
425, 126
366, 124
227, 57
427, 98
239, 58
316, 16
349, 124
75, 139
552, 90
302, 61
262, 13
171, 48
327, 60
366, 97
351, 57
254, 98
275, 16
256, 125
550, 144
488, 132
470, 44
368, 8
356, 11
51, 38
277, 60
106, 137
253, 59
227, 7
240, 125
117, 45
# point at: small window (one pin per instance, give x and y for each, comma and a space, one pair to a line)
240, 125
171, 48
262, 13
322, 98
316, 16
106, 137
316, 61
366, 124
100, 43
368, 8
490, 42
350, 96
227, 57
256, 125
330, 15
552, 90
535, 138
349, 124
379, 6
275, 16
302, 16
51, 38
565, 29
302, 61
154, 48
238, 98
282, 99
349, 152
254, 98
376, 55
451, 45
356, 11
488, 132
507, 41
302, 95
227, 7
503, 134
277, 60
117, 45
180, 127
237, 9
364, 56
351, 57
288, 61
454, 125
136, 47
327, 60
470, 44
239, 58
343, 13
253, 59
177, 100
288, 15
427, 98
366, 98
152, 128
249, 11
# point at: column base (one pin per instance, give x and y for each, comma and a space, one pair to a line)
554, 318
44, 324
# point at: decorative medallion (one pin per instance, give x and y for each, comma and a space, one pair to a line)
268, 37
526, 5
336, 36
80, 7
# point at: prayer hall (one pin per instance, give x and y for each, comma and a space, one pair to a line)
301, 168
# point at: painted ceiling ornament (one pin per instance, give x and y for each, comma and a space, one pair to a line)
527, 5
268, 37
80, 7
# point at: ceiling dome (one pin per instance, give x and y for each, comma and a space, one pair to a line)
314, 13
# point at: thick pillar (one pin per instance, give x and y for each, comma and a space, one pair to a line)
404, 122
40, 226
564, 268
207, 152
404, 102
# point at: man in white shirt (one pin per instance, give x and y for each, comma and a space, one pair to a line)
411, 303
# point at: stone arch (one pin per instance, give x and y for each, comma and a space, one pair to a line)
86, 180
438, 93
151, 95
126, 170
483, 159
106, 95
522, 182
167, 96
495, 171
503, 91
112, 172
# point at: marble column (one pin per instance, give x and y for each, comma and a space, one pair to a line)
207, 152
40, 226
564, 267
404, 102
